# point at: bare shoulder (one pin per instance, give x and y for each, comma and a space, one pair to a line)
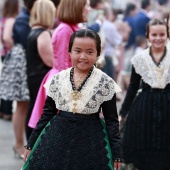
45, 35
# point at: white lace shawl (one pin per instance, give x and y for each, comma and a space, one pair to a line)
97, 89
155, 76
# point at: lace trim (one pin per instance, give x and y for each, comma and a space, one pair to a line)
155, 76
97, 89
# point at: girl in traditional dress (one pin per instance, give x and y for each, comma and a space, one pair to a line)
70, 134
146, 137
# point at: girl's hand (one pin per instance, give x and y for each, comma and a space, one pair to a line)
26, 154
117, 165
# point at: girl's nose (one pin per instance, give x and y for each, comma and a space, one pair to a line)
83, 55
158, 37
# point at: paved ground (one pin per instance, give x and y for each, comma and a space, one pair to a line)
7, 159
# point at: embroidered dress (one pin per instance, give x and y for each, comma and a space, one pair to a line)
77, 140
146, 137
13, 81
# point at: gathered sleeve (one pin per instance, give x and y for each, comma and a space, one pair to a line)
131, 93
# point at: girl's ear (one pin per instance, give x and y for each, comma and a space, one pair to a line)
148, 42
70, 55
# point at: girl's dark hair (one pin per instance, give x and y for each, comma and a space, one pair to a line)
86, 33
156, 22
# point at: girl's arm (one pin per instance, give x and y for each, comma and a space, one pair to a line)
112, 126
45, 49
7, 33
131, 93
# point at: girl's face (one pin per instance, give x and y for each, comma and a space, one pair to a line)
86, 10
83, 53
157, 36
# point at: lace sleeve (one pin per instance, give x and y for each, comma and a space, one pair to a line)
131, 93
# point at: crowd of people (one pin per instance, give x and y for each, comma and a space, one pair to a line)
63, 64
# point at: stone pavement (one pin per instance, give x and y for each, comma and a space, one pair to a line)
7, 159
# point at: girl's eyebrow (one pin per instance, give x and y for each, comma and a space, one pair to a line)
77, 48
90, 49
81, 48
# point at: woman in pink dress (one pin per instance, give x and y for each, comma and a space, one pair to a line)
70, 14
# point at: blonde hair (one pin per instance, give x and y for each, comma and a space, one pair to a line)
43, 13
71, 11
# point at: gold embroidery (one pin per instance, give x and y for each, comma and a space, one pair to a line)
75, 95
159, 72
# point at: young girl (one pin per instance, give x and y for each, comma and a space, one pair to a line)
75, 137
146, 137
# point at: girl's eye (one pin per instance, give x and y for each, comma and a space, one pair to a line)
153, 35
162, 35
77, 51
89, 52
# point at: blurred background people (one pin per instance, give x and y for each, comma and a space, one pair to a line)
141, 19
112, 39
130, 13
39, 50
20, 33
96, 15
124, 29
141, 44
15, 78
9, 12
70, 13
